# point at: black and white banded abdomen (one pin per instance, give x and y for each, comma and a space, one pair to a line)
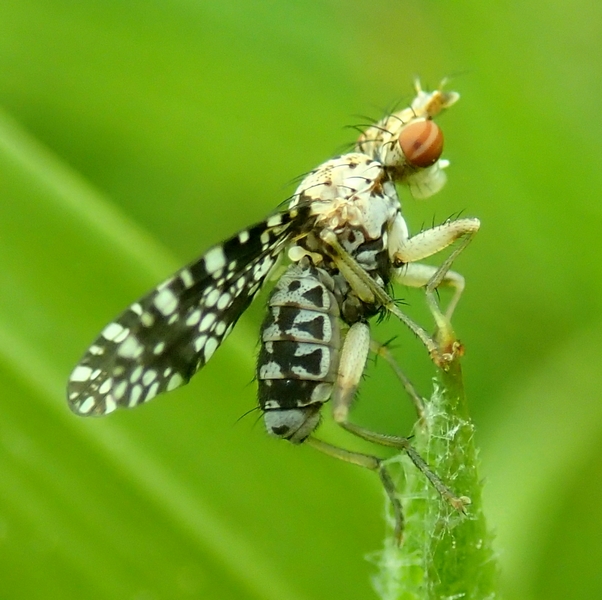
299, 356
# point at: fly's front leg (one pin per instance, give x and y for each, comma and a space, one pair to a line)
423, 245
419, 275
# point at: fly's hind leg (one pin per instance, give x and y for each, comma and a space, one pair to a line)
374, 464
351, 368
383, 351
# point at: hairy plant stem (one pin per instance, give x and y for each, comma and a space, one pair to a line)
446, 554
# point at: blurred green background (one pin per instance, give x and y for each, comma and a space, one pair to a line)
134, 134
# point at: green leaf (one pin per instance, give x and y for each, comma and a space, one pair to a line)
447, 552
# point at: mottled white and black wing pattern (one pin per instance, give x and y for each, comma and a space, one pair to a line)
159, 342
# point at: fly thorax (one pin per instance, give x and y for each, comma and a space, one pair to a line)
353, 197
349, 191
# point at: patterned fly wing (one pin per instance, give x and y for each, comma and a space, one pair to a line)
159, 342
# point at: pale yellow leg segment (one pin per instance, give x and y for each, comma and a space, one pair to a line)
374, 464
352, 363
427, 243
369, 291
417, 400
419, 275
434, 240
445, 333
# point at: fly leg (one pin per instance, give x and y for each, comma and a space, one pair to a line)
409, 251
351, 367
370, 292
374, 464
383, 351
419, 275
410, 272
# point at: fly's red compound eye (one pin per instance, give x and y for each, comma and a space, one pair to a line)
421, 143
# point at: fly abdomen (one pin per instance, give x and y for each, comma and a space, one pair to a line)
299, 356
